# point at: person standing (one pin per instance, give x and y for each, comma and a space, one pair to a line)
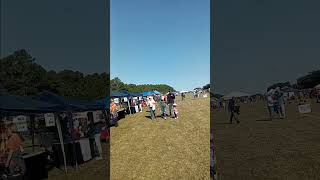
163, 107
233, 110
95, 134
281, 104
175, 111
270, 104
14, 162
152, 107
170, 100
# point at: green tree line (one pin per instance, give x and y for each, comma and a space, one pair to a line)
21, 75
117, 85
309, 80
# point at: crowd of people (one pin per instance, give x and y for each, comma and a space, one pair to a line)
166, 102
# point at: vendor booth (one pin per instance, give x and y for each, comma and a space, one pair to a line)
63, 129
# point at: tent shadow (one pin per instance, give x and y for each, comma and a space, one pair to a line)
264, 119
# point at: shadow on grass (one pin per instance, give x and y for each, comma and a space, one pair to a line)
264, 119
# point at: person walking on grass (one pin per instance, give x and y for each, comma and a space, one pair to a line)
152, 107
234, 110
281, 104
163, 107
170, 100
175, 111
270, 103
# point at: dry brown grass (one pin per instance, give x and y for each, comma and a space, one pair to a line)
171, 149
258, 149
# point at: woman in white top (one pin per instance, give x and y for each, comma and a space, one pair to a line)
152, 107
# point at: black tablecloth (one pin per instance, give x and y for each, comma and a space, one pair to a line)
71, 157
121, 114
36, 166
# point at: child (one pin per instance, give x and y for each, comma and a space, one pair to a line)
175, 111
163, 107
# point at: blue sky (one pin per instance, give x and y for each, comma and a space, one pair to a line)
161, 41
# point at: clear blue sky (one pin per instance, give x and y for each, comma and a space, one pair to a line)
161, 41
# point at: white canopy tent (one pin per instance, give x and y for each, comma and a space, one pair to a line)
235, 94
184, 91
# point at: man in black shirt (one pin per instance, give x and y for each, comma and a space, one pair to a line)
170, 101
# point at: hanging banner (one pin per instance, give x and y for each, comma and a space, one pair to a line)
97, 116
21, 123
305, 108
80, 124
49, 119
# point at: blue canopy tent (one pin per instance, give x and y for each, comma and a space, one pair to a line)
15, 105
150, 93
20, 104
118, 94
69, 105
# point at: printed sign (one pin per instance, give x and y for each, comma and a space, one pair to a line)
125, 99
49, 119
97, 116
116, 100
305, 108
21, 123
135, 98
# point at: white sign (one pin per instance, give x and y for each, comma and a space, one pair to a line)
305, 108
135, 98
97, 116
49, 119
116, 100
21, 123
140, 98
125, 99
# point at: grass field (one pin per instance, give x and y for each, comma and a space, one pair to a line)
163, 149
282, 149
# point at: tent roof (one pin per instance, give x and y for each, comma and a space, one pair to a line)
151, 93
68, 103
317, 86
235, 94
12, 103
117, 94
